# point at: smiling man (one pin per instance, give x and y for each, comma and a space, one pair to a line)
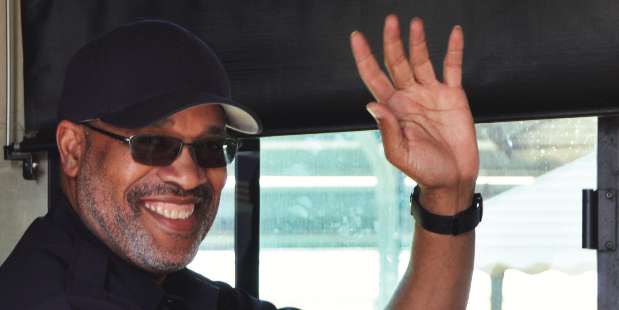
153, 218
143, 142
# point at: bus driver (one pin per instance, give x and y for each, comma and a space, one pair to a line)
143, 147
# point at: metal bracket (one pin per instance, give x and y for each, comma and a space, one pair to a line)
589, 219
599, 219
30, 160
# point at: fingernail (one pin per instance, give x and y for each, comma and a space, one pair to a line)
373, 113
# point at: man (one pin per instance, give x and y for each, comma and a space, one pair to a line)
143, 147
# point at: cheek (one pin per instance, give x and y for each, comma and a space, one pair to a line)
217, 177
118, 169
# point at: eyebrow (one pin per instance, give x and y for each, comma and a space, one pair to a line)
210, 130
216, 130
163, 123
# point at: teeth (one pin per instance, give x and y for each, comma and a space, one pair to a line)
174, 214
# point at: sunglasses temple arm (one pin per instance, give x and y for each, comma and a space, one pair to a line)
107, 133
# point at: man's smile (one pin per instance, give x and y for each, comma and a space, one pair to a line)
177, 216
171, 210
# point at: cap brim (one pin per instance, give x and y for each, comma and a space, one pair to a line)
151, 110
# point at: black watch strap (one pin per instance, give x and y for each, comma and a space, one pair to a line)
460, 223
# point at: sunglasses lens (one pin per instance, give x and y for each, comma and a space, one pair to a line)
155, 150
215, 153
160, 150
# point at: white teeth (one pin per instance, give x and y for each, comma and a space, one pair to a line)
174, 214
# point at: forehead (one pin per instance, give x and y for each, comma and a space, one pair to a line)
209, 118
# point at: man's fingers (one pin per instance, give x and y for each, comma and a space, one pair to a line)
393, 139
395, 58
420, 59
452, 67
375, 79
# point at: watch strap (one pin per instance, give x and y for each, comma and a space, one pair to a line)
460, 223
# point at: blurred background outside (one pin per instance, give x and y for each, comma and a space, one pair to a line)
336, 229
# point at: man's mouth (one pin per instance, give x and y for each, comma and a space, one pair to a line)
170, 210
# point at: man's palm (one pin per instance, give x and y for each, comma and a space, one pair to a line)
427, 127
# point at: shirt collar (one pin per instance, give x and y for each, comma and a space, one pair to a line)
197, 291
95, 266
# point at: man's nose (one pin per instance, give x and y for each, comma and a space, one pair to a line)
184, 171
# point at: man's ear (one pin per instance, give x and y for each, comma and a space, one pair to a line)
71, 140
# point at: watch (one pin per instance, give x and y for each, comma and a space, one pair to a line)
460, 223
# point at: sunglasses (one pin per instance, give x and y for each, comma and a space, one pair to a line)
162, 150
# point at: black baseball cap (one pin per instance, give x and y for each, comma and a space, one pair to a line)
143, 72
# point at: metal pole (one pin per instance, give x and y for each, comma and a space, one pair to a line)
608, 180
247, 218
8, 73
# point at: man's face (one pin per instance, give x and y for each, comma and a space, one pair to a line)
120, 200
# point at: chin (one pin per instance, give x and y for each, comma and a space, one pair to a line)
167, 262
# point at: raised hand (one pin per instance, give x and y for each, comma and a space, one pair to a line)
427, 127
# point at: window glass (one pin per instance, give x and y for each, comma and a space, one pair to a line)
336, 228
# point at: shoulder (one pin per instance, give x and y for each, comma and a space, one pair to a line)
230, 298
233, 298
36, 268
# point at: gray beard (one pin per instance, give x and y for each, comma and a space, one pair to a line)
100, 209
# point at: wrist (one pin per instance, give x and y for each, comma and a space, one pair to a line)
452, 224
447, 200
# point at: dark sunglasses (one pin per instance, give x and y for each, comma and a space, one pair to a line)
162, 150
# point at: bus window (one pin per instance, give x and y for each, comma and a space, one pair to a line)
336, 226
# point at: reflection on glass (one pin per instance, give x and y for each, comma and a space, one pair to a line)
535, 227
336, 228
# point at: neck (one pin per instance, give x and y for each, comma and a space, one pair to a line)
159, 279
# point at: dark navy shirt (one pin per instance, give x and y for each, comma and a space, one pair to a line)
59, 264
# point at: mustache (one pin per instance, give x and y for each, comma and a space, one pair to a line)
201, 192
